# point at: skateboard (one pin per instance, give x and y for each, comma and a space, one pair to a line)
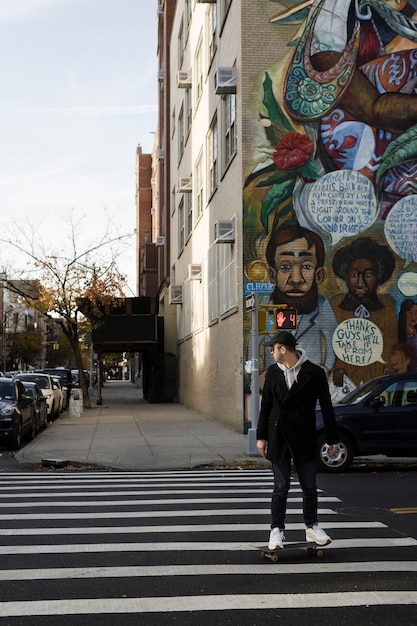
312, 550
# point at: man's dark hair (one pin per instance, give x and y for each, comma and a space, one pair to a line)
364, 248
291, 233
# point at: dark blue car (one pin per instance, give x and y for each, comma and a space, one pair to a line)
379, 417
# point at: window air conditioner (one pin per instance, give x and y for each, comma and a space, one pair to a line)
160, 240
224, 231
194, 271
160, 10
175, 294
161, 76
225, 80
184, 185
183, 80
161, 155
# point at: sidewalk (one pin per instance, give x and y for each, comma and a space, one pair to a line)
126, 432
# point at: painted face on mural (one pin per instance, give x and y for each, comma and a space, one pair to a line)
362, 277
296, 275
399, 362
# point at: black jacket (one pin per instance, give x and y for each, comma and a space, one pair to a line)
288, 416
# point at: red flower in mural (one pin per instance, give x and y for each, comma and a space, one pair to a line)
292, 151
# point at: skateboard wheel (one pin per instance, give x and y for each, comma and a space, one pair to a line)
319, 553
274, 558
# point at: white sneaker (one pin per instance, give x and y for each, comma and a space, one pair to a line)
315, 534
276, 539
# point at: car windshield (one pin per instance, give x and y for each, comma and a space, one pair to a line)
6, 391
42, 382
361, 392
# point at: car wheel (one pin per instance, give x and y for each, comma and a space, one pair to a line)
342, 459
15, 441
34, 429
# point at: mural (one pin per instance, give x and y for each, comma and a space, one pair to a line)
330, 206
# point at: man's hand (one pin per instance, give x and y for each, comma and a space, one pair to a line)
261, 445
333, 449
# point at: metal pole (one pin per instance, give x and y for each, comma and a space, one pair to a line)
252, 449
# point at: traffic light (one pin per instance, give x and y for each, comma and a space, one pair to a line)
285, 319
261, 320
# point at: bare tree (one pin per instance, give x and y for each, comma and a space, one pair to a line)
69, 282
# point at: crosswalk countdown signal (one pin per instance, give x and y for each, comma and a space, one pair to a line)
285, 319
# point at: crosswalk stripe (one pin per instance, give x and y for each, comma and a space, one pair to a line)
175, 501
148, 571
206, 603
172, 528
164, 492
187, 546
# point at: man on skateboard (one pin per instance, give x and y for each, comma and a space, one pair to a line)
287, 430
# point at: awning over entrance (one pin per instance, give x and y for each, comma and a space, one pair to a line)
131, 326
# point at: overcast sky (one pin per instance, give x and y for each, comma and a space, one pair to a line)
78, 87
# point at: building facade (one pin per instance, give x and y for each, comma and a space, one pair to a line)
289, 171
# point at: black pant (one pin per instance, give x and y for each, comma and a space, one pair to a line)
307, 471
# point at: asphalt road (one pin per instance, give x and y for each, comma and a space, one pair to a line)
98, 548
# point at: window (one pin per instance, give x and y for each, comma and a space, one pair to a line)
229, 127
227, 277
213, 31
188, 110
212, 156
173, 122
199, 187
189, 214
181, 226
198, 69
212, 293
181, 133
187, 12
181, 45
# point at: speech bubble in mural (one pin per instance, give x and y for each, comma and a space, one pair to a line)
358, 341
401, 228
342, 203
407, 283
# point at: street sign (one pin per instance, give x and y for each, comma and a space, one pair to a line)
250, 302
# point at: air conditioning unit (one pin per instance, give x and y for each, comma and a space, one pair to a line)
184, 80
175, 294
194, 271
153, 181
161, 155
225, 80
160, 240
224, 231
184, 185
160, 10
161, 76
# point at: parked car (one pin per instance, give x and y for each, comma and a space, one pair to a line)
56, 381
65, 376
17, 413
39, 400
45, 383
379, 417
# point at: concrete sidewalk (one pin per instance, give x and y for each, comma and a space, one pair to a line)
126, 432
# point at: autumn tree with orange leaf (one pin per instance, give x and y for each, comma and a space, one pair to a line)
71, 283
